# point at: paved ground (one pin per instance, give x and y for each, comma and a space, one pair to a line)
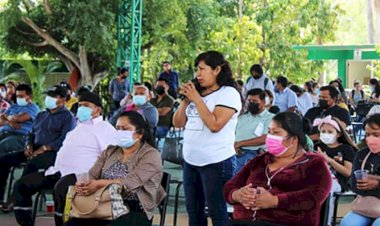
45, 219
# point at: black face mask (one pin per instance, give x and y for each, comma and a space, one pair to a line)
323, 104
253, 108
257, 76
123, 77
160, 90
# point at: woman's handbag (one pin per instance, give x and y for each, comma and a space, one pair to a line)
106, 203
366, 205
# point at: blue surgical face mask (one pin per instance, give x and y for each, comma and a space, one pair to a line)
50, 102
21, 101
139, 100
84, 113
317, 91
124, 138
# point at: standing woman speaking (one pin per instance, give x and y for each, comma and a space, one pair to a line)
209, 114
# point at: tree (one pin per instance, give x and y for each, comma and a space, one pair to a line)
35, 71
293, 22
79, 33
370, 21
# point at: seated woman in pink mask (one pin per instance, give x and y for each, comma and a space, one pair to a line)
286, 185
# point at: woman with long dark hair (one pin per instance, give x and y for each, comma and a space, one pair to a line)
209, 114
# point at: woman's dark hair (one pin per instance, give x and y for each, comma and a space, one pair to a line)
12, 83
141, 125
375, 82
257, 68
373, 120
214, 59
340, 86
148, 85
3, 85
293, 124
309, 86
269, 93
298, 90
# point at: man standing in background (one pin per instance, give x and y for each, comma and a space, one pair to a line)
170, 76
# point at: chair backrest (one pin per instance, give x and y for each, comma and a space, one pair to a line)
165, 183
172, 150
324, 215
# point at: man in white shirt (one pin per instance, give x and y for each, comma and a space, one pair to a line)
80, 149
258, 80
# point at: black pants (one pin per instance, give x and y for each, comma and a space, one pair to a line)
32, 183
6, 162
23, 191
132, 218
42, 161
59, 194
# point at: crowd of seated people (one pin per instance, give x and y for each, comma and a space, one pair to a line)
283, 173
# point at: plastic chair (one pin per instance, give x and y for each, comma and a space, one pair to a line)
12, 178
172, 152
165, 182
337, 196
41, 195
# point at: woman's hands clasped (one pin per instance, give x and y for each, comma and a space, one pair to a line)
255, 198
88, 187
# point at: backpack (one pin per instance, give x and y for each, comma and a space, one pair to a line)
353, 93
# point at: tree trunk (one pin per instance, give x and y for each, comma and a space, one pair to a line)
84, 68
370, 21
263, 46
377, 23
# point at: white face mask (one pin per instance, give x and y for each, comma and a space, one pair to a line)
3, 93
267, 100
327, 138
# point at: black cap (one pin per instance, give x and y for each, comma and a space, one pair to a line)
57, 90
91, 97
65, 84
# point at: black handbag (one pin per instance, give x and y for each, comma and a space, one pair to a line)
363, 108
172, 150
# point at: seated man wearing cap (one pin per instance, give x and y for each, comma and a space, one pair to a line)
48, 131
78, 153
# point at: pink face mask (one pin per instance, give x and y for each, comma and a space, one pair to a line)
274, 145
373, 144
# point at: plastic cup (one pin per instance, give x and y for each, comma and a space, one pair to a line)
82, 177
50, 206
361, 174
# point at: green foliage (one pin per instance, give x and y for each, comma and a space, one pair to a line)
178, 30
89, 23
36, 73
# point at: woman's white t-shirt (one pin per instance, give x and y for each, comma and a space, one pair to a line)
201, 146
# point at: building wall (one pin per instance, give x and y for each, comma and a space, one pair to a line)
358, 70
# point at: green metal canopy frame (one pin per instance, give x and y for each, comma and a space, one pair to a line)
129, 23
342, 53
